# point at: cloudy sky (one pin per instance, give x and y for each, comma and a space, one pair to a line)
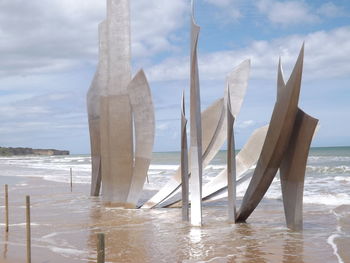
48, 55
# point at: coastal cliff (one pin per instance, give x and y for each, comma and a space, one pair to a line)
4, 151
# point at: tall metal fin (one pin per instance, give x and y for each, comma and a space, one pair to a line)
231, 164
98, 85
195, 129
293, 166
184, 163
144, 123
213, 128
276, 143
212, 114
116, 114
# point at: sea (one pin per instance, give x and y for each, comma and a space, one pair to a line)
327, 178
326, 220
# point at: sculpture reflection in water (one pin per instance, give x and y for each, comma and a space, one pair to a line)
118, 106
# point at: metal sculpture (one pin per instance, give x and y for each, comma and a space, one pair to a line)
211, 119
245, 160
284, 145
195, 130
231, 164
99, 83
276, 142
116, 115
292, 170
117, 106
213, 129
279, 148
293, 166
144, 125
184, 163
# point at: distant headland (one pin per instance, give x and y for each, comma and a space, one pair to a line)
4, 151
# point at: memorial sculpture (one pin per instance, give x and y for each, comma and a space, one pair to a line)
184, 163
214, 131
293, 166
212, 126
99, 83
196, 168
118, 106
246, 159
231, 164
284, 145
283, 125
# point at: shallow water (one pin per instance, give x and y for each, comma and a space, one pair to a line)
65, 224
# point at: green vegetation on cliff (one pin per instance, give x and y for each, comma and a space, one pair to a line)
4, 151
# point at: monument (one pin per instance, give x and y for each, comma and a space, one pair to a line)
280, 145
184, 163
118, 106
231, 163
196, 168
122, 130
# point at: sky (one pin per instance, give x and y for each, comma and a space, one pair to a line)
49, 50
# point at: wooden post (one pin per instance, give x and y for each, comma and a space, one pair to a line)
100, 248
71, 180
6, 208
28, 229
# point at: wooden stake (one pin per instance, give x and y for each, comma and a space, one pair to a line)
28, 229
6, 208
100, 248
71, 180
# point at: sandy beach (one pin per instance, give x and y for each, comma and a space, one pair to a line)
65, 224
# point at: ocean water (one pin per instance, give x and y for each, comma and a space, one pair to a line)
327, 176
65, 224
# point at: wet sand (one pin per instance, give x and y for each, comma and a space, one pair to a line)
65, 224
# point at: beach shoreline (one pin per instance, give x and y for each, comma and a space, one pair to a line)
65, 225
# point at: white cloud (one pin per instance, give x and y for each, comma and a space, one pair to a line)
163, 126
327, 55
40, 120
58, 35
154, 22
246, 124
221, 3
229, 9
287, 13
329, 9
10, 112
